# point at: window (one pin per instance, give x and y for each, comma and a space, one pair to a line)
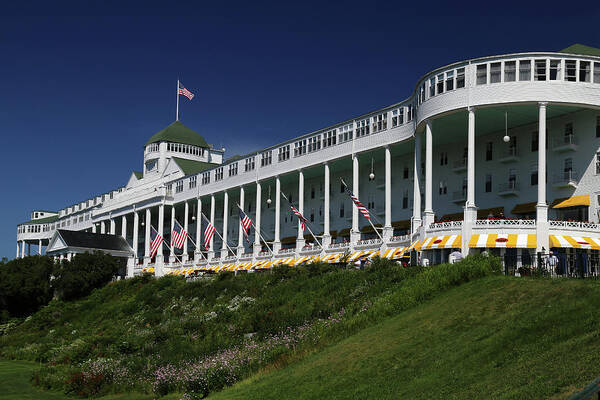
284, 153
540, 70
312, 215
569, 132
510, 71
440, 84
218, 174
585, 71
597, 72
405, 173
597, 126
405, 199
314, 143
481, 74
179, 186
571, 70
342, 209
346, 133
512, 179
444, 158
533, 179
342, 187
597, 163
534, 141
495, 72
443, 188
449, 80
312, 192
397, 117
266, 158
380, 122
432, 86
525, 70
362, 128
488, 183
489, 151
233, 169
192, 183
460, 78
329, 138
205, 178
555, 70
300, 148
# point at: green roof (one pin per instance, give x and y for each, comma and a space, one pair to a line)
190, 167
46, 220
581, 49
138, 174
178, 133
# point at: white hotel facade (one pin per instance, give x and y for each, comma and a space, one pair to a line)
499, 153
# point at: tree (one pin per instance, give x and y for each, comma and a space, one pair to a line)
25, 285
85, 272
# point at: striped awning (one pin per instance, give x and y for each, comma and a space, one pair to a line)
332, 258
576, 242
358, 254
281, 261
442, 242
506, 240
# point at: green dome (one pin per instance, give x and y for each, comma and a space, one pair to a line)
178, 133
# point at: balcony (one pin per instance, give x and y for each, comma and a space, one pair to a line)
566, 179
511, 188
565, 143
459, 196
460, 166
510, 155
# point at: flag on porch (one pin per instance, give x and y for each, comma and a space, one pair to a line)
178, 235
245, 222
363, 210
156, 241
209, 232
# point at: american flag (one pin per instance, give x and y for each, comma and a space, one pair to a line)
185, 92
209, 231
155, 242
301, 218
246, 223
363, 210
178, 235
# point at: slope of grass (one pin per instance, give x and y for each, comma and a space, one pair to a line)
496, 337
15, 385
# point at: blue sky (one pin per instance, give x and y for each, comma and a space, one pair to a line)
82, 90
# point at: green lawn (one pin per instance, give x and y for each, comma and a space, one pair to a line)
15, 385
496, 337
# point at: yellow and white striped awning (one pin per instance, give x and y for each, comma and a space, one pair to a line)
442, 242
281, 261
358, 254
503, 240
576, 242
414, 245
332, 258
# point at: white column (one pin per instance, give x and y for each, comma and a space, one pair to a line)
18, 248
224, 250
159, 254
300, 238
113, 226
326, 206
471, 160
124, 227
40, 247
23, 249
428, 215
355, 233
102, 227
147, 222
211, 251
277, 240
186, 226
387, 228
416, 218
134, 241
172, 258
542, 226
257, 245
197, 256
240, 248
93, 227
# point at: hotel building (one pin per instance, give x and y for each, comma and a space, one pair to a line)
499, 153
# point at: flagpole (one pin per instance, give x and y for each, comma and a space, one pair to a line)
368, 219
196, 246
177, 112
170, 248
217, 232
305, 224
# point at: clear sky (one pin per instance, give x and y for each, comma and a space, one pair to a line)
81, 93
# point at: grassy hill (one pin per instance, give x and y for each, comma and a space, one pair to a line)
496, 337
